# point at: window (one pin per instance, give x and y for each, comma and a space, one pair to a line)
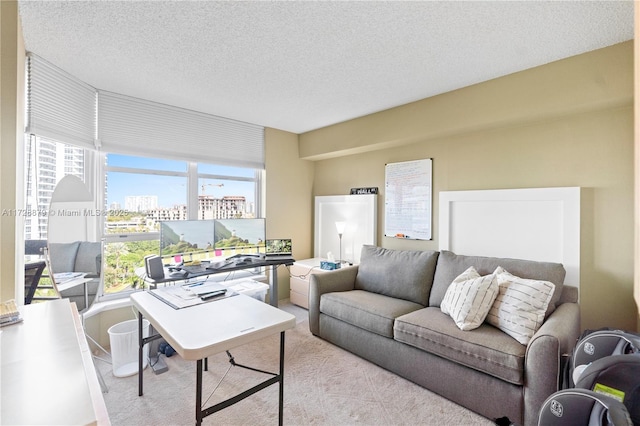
46, 163
227, 192
136, 191
141, 192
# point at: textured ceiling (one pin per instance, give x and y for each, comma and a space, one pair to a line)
299, 66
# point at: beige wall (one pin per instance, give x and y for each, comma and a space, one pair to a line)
637, 157
289, 203
568, 123
11, 125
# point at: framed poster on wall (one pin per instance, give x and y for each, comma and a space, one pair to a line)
408, 199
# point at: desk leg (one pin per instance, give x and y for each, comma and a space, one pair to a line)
273, 293
275, 379
281, 395
140, 346
199, 392
86, 295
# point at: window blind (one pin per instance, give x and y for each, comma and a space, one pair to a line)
59, 106
130, 125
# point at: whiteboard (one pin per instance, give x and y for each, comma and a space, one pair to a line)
408, 199
541, 224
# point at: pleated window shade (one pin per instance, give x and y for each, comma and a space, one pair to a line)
63, 108
129, 125
59, 106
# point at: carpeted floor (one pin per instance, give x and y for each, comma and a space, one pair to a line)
324, 385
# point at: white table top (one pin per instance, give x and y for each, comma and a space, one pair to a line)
72, 283
310, 263
47, 372
203, 330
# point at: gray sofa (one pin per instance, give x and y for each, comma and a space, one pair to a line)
78, 256
387, 310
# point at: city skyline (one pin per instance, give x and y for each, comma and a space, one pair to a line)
170, 190
167, 200
48, 161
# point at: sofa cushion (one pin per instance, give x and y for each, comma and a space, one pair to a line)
485, 349
370, 311
62, 256
402, 274
469, 298
450, 265
88, 258
520, 306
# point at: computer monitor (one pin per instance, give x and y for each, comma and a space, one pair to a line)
181, 237
278, 247
178, 237
246, 235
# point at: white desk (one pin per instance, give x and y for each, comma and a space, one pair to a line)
74, 282
239, 320
48, 376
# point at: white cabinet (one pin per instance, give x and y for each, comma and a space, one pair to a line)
301, 271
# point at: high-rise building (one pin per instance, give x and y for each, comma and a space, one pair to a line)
227, 207
178, 212
47, 162
140, 203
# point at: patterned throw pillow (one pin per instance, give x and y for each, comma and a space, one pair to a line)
521, 304
469, 298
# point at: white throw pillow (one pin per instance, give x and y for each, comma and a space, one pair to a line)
520, 306
469, 298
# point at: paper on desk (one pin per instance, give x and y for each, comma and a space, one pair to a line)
203, 287
177, 297
63, 277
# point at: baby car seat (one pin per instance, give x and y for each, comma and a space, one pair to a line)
582, 407
596, 345
617, 376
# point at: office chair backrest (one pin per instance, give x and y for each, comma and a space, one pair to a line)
32, 274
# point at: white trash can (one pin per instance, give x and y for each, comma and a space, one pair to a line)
124, 347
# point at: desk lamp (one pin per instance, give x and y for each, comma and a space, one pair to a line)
340, 228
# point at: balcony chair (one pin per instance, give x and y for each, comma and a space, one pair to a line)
32, 274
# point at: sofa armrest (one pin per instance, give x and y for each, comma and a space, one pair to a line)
343, 279
543, 359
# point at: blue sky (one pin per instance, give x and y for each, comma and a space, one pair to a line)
170, 190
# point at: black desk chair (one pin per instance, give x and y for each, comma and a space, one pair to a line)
32, 274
